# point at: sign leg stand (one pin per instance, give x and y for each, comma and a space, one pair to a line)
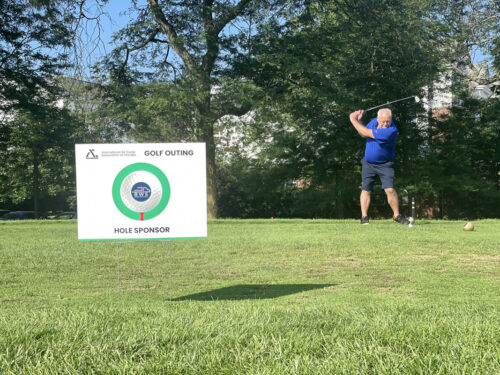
118, 271
170, 276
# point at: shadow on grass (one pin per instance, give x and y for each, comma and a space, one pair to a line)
251, 291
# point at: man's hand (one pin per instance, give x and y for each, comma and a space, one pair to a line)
357, 115
355, 118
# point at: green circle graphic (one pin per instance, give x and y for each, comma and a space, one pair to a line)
165, 186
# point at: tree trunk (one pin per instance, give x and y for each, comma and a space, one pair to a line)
211, 178
206, 129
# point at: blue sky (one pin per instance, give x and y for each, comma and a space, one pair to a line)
117, 21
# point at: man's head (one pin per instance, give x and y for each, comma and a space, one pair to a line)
384, 117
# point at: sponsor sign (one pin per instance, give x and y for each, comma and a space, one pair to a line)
141, 191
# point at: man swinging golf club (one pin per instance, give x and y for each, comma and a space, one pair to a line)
381, 134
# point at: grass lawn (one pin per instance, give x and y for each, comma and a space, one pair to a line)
256, 297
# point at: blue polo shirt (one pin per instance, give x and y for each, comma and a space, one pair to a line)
381, 149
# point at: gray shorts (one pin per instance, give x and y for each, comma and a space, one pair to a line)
369, 171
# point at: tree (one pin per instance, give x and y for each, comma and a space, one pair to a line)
461, 174
190, 41
30, 34
472, 35
38, 156
33, 36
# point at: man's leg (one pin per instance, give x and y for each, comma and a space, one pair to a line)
364, 200
368, 175
392, 199
386, 173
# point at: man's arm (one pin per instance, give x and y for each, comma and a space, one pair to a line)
355, 118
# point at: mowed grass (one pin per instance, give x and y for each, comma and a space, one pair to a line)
256, 297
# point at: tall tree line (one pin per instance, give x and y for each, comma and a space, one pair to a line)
281, 77
36, 133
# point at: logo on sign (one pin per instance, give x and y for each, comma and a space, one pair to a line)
141, 191
91, 155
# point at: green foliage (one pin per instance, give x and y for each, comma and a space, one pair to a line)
32, 36
463, 166
248, 190
496, 54
152, 112
39, 161
89, 104
471, 29
35, 135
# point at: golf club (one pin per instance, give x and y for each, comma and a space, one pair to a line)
416, 98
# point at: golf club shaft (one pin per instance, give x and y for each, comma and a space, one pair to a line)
394, 101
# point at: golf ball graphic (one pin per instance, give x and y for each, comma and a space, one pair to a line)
141, 191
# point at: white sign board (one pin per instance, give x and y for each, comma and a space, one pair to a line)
141, 191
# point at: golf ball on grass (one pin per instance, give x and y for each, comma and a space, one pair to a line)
468, 227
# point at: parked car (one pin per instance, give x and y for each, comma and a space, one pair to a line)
20, 215
64, 216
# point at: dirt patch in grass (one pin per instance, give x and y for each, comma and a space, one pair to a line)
476, 260
387, 280
349, 262
384, 283
336, 265
487, 264
423, 257
335, 287
135, 288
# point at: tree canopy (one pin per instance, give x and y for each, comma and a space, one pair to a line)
34, 36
